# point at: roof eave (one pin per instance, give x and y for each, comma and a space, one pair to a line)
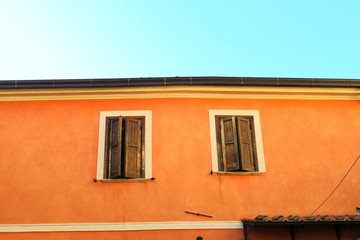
181, 81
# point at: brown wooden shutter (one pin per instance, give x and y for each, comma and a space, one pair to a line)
142, 128
219, 143
107, 147
245, 143
115, 148
229, 144
132, 147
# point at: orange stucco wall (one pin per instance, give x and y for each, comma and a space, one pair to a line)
48, 159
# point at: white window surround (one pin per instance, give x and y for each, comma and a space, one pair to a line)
148, 139
258, 136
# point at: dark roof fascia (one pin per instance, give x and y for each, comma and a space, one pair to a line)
180, 81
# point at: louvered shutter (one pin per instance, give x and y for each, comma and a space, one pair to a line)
115, 148
132, 147
245, 143
229, 144
219, 143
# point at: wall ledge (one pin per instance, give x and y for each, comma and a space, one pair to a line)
124, 226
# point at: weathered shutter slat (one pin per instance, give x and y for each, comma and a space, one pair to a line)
132, 147
115, 148
229, 144
245, 143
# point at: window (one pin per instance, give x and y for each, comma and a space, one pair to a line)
124, 150
236, 141
124, 147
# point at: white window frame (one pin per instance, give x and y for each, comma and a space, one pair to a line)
258, 136
147, 114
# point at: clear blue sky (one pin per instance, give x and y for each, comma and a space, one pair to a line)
42, 39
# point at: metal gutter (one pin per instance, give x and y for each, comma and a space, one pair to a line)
181, 81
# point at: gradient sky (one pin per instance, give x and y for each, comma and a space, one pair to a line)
42, 39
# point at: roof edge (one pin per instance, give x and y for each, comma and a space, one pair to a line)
181, 81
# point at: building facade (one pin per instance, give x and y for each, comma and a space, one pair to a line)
175, 158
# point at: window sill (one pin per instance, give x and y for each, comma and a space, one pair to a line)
123, 180
240, 173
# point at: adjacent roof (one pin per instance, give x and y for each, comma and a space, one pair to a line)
293, 222
294, 219
180, 81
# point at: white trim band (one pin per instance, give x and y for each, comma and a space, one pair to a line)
127, 226
182, 92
